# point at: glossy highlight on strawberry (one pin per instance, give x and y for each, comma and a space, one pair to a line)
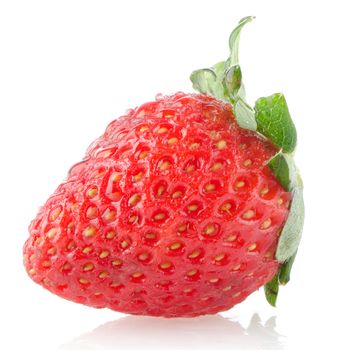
174, 211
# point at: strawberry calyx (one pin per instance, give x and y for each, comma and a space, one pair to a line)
270, 118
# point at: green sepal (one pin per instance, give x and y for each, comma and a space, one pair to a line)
274, 122
244, 115
281, 277
271, 290
280, 168
285, 270
291, 233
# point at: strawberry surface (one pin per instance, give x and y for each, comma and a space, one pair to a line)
174, 211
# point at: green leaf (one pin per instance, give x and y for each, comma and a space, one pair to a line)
244, 115
274, 122
291, 234
280, 168
271, 290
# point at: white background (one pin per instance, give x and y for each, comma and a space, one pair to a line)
67, 68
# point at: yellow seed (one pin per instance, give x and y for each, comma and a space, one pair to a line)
32, 258
226, 289
240, 184
87, 250
133, 218
169, 116
83, 281
55, 213
243, 146
143, 128
190, 168
236, 267
194, 146
70, 245
188, 290
236, 295
116, 262
268, 255
176, 194
182, 228
91, 212
192, 207
124, 244
32, 272
92, 192
104, 254
47, 281
89, 231
143, 256
137, 177
221, 144
220, 257
52, 233
109, 215
97, 294
209, 187
134, 199
214, 135
209, 230
162, 130
191, 273
115, 284
264, 191
231, 238
165, 265
103, 274
247, 162
67, 266
159, 216
173, 141
164, 165
175, 246
279, 201
143, 155
248, 214
150, 235
46, 263
160, 190
52, 251
137, 274
195, 254
110, 235
226, 207
116, 177
214, 280
252, 247
266, 224
88, 267
217, 166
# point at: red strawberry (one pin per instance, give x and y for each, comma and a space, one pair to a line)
174, 211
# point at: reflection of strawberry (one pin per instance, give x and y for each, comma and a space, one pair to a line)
172, 212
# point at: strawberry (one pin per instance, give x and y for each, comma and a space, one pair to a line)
181, 208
